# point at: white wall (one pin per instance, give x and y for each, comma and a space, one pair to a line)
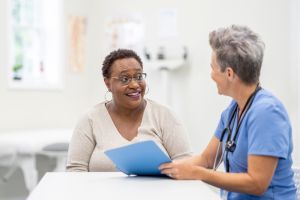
295, 64
36, 109
194, 97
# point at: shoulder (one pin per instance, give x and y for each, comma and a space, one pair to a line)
265, 101
159, 111
157, 107
92, 114
267, 107
96, 110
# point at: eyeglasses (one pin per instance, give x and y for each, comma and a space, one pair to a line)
125, 80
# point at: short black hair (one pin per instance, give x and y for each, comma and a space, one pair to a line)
116, 55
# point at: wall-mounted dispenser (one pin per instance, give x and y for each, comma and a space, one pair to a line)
166, 59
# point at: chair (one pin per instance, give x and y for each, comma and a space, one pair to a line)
58, 151
297, 180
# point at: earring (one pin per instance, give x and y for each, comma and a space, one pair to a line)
108, 96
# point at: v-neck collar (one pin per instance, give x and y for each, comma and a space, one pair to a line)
112, 124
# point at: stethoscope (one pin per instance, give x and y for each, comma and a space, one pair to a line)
230, 144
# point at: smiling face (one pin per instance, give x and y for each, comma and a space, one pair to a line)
131, 95
217, 75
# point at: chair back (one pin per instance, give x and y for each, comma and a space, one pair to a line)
59, 151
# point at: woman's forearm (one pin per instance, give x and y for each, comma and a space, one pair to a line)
234, 182
198, 160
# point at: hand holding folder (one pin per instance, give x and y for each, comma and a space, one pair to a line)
141, 158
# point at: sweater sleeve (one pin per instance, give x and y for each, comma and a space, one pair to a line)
174, 137
81, 146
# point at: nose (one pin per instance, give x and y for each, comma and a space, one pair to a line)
133, 83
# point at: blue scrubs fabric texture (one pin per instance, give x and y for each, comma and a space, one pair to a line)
266, 131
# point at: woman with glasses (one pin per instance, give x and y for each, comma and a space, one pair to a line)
254, 135
127, 118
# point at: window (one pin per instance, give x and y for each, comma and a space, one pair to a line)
35, 44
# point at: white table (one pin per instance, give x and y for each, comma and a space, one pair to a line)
23, 147
115, 186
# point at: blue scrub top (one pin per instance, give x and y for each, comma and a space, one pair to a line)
265, 130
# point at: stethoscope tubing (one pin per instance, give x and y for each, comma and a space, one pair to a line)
217, 162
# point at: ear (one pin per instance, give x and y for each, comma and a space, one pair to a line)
107, 83
230, 73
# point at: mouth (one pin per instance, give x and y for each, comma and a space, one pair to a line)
134, 95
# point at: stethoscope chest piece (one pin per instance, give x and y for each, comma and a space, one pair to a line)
230, 146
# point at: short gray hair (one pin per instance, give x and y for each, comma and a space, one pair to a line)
241, 49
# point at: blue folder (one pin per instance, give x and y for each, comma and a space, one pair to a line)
141, 158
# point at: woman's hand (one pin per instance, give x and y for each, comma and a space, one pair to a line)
179, 169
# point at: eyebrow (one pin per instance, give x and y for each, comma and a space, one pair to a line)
126, 71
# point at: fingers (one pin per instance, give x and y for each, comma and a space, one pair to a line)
168, 169
170, 175
165, 166
171, 172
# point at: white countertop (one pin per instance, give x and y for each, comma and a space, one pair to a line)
116, 185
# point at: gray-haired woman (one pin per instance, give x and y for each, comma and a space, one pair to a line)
254, 135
